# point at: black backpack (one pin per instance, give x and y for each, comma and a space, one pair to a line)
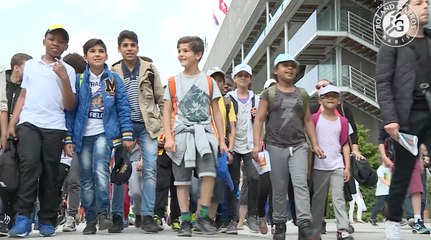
9, 163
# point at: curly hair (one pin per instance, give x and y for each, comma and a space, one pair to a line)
76, 61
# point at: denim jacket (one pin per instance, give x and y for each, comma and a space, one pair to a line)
116, 118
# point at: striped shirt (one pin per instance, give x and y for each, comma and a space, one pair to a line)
131, 85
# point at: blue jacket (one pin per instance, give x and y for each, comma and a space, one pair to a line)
116, 117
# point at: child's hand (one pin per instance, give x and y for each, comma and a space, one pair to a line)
69, 149
387, 162
140, 165
128, 145
11, 130
255, 153
229, 158
253, 112
319, 152
223, 148
161, 140
170, 145
346, 174
60, 70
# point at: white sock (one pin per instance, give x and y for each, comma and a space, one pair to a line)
417, 218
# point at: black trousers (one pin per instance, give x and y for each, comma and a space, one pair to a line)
39, 151
265, 194
419, 125
165, 184
252, 181
380, 204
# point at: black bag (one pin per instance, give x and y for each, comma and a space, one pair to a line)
122, 169
363, 172
9, 162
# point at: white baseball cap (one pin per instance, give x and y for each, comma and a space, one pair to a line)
285, 57
213, 70
242, 67
327, 89
269, 82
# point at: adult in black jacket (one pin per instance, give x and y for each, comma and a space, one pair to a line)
402, 80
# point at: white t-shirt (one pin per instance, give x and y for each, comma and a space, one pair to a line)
65, 159
94, 123
381, 188
193, 96
43, 105
328, 136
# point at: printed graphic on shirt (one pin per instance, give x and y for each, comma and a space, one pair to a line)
288, 104
194, 105
109, 86
96, 104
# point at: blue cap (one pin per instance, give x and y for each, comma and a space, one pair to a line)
285, 57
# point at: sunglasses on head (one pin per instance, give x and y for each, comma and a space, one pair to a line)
319, 86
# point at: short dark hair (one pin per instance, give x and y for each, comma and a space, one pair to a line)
127, 34
76, 61
19, 59
196, 43
93, 42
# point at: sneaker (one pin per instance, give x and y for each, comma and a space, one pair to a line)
404, 222
104, 222
138, 221
231, 228
280, 231
392, 230
61, 219
223, 227
90, 228
343, 235
206, 225
411, 222
175, 225
420, 228
373, 222
149, 225
252, 224
126, 223
4, 225
117, 224
22, 227
70, 225
305, 231
185, 229
323, 228
158, 221
46, 230
263, 228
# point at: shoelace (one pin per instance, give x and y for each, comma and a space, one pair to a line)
6, 219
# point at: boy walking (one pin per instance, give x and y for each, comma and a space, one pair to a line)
286, 107
99, 123
333, 169
145, 95
47, 90
195, 144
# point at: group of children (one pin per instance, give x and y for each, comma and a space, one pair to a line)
90, 113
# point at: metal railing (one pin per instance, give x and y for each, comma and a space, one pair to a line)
361, 28
359, 81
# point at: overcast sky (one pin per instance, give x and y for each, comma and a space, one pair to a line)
158, 23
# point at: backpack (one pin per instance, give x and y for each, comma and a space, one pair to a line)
271, 97
173, 92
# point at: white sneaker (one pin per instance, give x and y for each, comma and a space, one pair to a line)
392, 230
69, 226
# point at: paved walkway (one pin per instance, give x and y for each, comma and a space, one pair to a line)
363, 231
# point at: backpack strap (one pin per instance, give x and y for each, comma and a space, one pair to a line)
210, 87
271, 97
305, 99
235, 104
315, 117
173, 93
344, 135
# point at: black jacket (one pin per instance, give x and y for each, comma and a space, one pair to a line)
12, 93
395, 82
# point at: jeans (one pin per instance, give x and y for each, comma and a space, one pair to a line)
117, 200
73, 187
94, 171
148, 148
